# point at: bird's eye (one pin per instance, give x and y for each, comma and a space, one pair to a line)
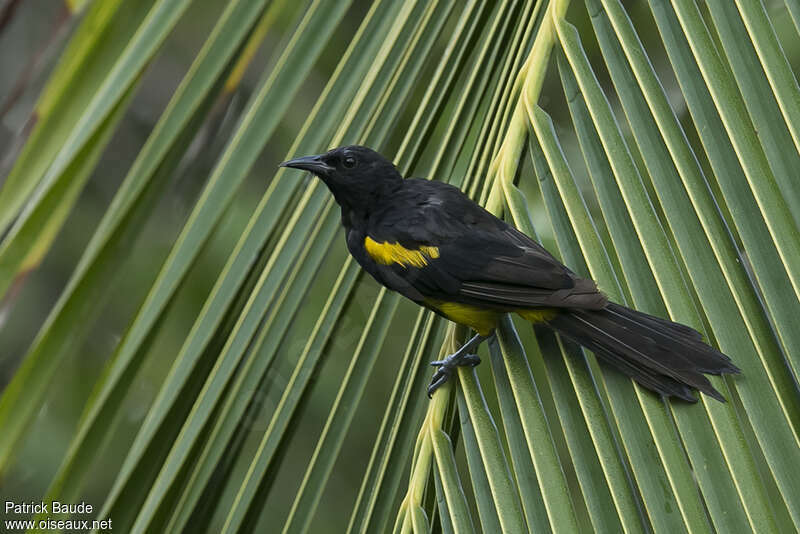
349, 162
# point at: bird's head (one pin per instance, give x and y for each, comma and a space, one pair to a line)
356, 175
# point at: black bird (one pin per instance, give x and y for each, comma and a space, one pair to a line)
432, 244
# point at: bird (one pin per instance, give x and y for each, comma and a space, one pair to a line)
431, 243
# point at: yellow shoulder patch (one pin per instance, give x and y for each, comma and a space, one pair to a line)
388, 253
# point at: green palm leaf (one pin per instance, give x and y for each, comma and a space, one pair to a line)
288, 390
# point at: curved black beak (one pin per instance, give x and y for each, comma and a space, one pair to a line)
313, 164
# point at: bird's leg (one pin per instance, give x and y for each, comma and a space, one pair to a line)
463, 356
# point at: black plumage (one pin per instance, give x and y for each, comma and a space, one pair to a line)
480, 256
431, 243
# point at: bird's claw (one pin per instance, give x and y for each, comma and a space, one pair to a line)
470, 360
441, 376
446, 368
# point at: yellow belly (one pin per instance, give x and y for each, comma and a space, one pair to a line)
484, 320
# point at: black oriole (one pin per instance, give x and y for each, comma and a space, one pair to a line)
432, 244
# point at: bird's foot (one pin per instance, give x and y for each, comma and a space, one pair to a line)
446, 368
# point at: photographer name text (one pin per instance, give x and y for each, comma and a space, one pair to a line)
52, 508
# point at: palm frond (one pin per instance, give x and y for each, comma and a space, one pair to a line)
295, 398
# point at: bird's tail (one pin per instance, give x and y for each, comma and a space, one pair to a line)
663, 356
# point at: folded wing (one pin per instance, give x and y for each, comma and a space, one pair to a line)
448, 248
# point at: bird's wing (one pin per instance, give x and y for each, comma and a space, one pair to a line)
441, 246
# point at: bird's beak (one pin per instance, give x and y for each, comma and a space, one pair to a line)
313, 164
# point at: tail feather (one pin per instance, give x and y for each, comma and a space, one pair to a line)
675, 337
666, 357
654, 321
700, 356
651, 380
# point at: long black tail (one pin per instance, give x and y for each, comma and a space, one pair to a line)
666, 357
